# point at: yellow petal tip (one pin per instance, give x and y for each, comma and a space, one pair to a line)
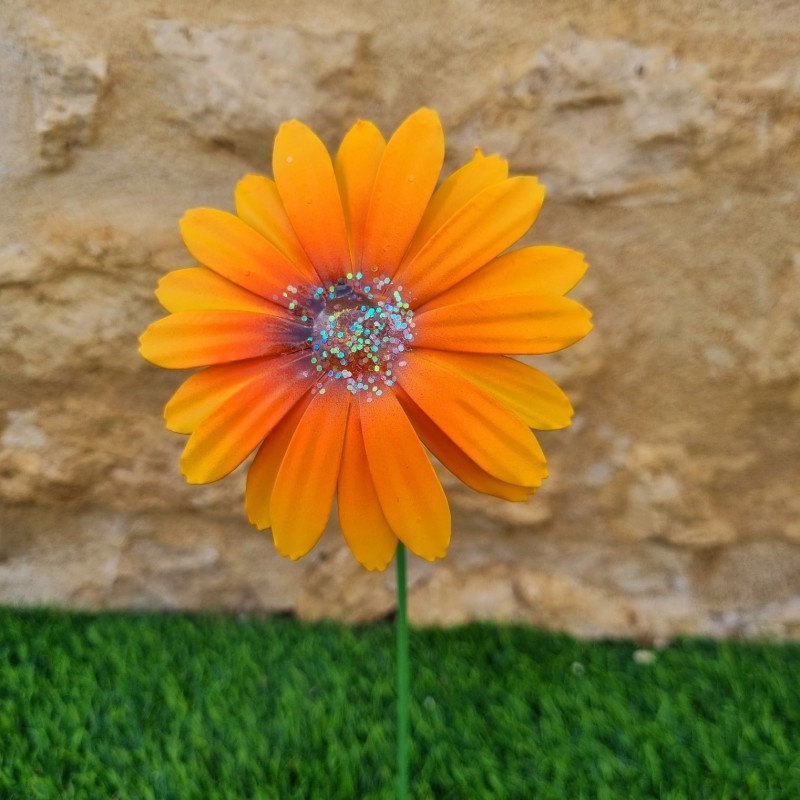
248, 182
144, 345
287, 551
426, 114
431, 555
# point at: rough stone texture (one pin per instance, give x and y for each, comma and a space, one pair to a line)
669, 139
233, 86
648, 116
66, 82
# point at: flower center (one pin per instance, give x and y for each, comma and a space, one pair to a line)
360, 329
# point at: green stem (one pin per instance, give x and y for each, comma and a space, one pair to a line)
402, 677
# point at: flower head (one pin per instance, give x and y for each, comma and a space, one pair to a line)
350, 315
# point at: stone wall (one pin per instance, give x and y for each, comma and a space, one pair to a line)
668, 136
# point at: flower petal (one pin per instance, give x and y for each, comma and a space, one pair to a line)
203, 393
529, 393
225, 439
494, 438
411, 496
199, 338
259, 204
306, 481
523, 324
542, 269
456, 460
264, 469
199, 289
356, 165
489, 223
405, 181
454, 193
362, 520
307, 185
232, 248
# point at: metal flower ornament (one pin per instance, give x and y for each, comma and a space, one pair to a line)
352, 317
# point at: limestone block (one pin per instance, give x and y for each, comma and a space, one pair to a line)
19, 263
336, 586
770, 336
534, 513
76, 321
765, 109
234, 85
747, 575
115, 560
75, 568
779, 619
668, 496
18, 154
671, 155
196, 561
98, 447
589, 589
62, 305
451, 597
67, 81
22, 454
598, 118
561, 602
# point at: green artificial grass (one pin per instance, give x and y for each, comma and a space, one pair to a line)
162, 707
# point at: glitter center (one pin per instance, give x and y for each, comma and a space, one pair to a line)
359, 332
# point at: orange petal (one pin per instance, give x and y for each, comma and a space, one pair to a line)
456, 460
529, 393
494, 438
199, 338
456, 191
264, 469
489, 223
204, 392
405, 181
306, 481
530, 323
232, 248
412, 499
259, 205
310, 195
199, 289
356, 166
225, 439
543, 269
363, 523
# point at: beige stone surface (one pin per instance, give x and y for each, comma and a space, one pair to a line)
668, 137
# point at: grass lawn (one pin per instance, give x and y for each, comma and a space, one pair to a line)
162, 707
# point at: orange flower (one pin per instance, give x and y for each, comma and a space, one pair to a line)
352, 314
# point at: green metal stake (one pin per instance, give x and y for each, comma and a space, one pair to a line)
402, 677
